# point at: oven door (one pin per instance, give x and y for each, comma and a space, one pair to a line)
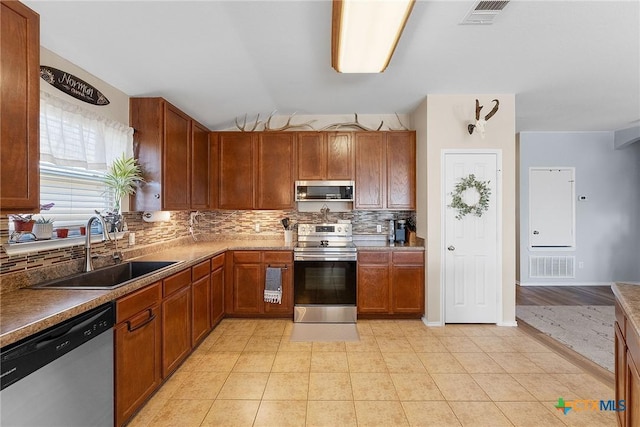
325, 291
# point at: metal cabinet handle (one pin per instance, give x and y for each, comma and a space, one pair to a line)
451, 248
149, 320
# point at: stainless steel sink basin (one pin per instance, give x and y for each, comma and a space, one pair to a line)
106, 278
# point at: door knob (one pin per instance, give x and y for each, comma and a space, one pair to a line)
451, 248
536, 232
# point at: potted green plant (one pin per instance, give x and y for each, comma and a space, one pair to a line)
123, 177
43, 228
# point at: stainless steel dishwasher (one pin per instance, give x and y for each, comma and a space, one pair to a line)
62, 376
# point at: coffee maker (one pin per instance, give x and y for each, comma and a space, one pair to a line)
400, 227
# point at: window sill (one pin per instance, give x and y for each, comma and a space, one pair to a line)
21, 248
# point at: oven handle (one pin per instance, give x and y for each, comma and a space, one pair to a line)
324, 257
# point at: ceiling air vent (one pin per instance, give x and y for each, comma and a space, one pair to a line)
484, 12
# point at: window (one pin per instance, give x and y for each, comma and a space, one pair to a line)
76, 192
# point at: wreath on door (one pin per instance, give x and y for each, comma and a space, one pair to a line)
482, 203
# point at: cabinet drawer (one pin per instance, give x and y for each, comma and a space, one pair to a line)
217, 262
246, 257
412, 258
373, 257
277, 257
200, 270
177, 281
138, 301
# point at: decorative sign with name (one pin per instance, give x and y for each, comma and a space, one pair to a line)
72, 85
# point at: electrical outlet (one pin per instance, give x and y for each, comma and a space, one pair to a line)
132, 239
256, 227
379, 228
581, 264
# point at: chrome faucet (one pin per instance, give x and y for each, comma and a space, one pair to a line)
88, 266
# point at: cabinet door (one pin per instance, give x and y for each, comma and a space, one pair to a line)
176, 329
199, 166
19, 108
284, 261
201, 305
339, 156
401, 170
217, 296
214, 171
247, 288
620, 370
235, 170
407, 290
370, 170
137, 361
632, 402
275, 170
176, 182
373, 288
312, 159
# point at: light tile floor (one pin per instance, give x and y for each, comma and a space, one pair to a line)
400, 373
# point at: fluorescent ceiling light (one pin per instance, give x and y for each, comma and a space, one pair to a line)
365, 33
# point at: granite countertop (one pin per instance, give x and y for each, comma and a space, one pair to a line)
628, 295
26, 311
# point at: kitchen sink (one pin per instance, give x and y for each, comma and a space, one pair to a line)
107, 277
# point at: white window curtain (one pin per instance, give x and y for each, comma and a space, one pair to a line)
75, 137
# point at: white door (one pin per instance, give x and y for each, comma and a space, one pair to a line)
471, 277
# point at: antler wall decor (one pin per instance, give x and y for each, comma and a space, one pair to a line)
480, 123
288, 125
355, 124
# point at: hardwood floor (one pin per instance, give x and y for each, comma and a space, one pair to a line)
564, 295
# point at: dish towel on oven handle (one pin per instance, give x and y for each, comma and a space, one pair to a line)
273, 285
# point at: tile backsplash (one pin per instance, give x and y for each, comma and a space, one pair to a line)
210, 225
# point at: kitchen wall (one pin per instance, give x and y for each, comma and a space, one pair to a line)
607, 224
441, 123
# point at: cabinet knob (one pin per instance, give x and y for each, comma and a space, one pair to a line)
451, 248
536, 232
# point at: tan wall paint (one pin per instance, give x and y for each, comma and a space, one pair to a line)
118, 107
441, 123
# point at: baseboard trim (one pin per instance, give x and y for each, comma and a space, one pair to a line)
427, 323
509, 324
565, 283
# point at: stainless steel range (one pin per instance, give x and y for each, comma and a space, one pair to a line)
325, 274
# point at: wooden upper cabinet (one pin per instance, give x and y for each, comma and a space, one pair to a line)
385, 170
370, 170
401, 170
200, 167
275, 171
255, 169
173, 152
176, 159
236, 173
214, 170
19, 108
325, 155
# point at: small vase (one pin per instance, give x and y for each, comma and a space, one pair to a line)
23, 226
43, 231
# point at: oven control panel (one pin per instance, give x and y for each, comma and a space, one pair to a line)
324, 230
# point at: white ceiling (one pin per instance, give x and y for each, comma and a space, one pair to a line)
573, 65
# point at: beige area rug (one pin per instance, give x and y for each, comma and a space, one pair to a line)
324, 332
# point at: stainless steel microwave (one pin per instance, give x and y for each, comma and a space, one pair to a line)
328, 191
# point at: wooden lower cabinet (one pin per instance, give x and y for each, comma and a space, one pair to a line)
632, 398
217, 289
245, 285
200, 302
627, 375
620, 369
137, 350
176, 321
391, 283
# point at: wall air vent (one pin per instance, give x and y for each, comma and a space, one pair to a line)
552, 267
483, 12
